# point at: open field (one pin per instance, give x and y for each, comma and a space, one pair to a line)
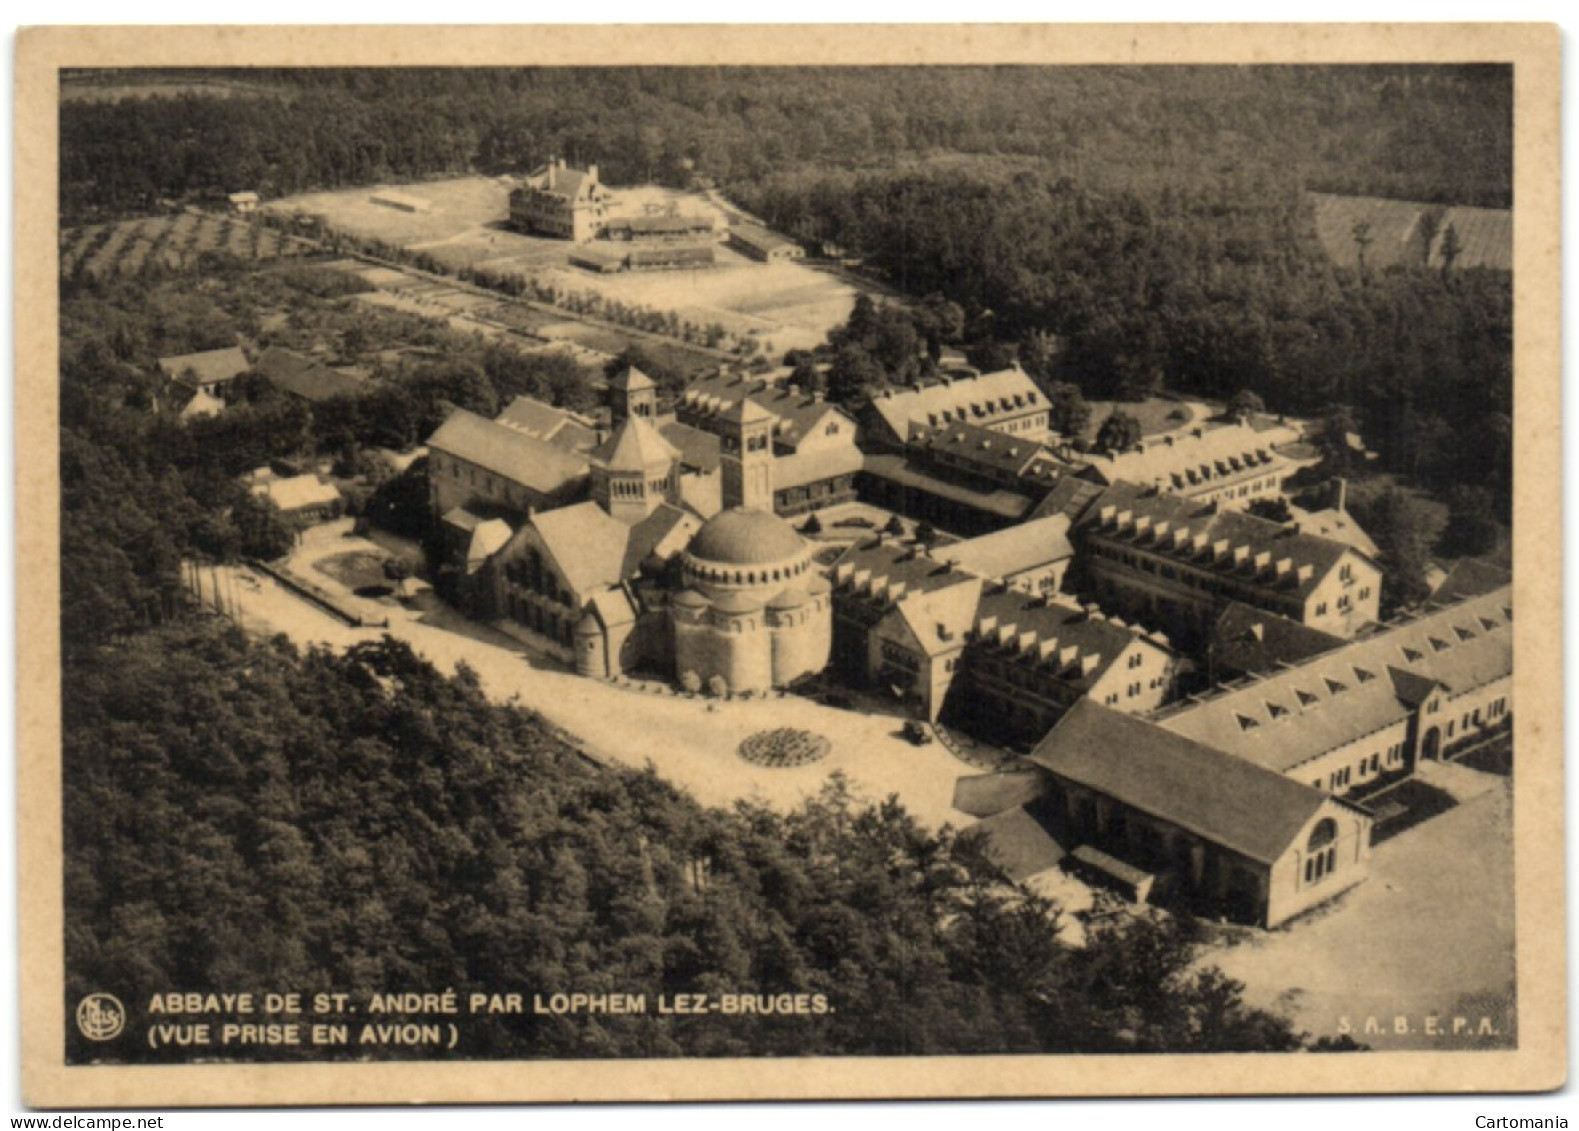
1429, 934
791, 305
173, 241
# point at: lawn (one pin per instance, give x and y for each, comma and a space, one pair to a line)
357, 569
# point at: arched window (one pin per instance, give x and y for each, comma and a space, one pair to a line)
1321, 851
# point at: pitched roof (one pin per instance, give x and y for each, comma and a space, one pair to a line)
999, 501
1071, 496
938, 619
1201, 457
298, 492
1338, 525
664, 532
1247, 639
586, 544
875, 568
559, 426
1471, 577
964, 442
800, 414
305, 377
1299, 712
209, 367
1075, 644
698, 448
1018, 843
632, 380
816, 464
507, 452
1219, 798
1131, 514
636, 445
1004, 553
979, 400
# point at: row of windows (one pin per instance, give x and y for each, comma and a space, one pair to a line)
749, 576
1367, 767
1133, 690
1255, 487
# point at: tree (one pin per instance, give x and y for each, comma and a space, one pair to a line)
812, 525
926, 533
1452, 248
690, 682
1362, 240
1245, 403
1119, 432
1404, 529
718, 686
852, 376
1069, 415
397, 570
895, 526
1272, 509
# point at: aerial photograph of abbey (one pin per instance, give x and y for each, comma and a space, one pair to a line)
773, 562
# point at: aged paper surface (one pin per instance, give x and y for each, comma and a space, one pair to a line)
1452, 1046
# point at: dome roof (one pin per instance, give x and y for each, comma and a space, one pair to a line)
742, 536
789, 599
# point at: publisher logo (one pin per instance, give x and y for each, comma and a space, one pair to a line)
101, 1017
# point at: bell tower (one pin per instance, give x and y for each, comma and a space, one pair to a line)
633, 393
747, 456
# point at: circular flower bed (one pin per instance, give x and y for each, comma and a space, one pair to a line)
784, 747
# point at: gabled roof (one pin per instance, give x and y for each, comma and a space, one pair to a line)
998, 501
1471, 577
698, 448
964, 442
507, 452
1131, 514
977, 400
800, 415
1298, 712
1200, 457
210, 367
1247, 639
1074, 644
1071, 497
664, 532
558, 426
632, 380
290, 372
586, 544
1004, 553
1338, 525
816, 464
938, 619
1222, 799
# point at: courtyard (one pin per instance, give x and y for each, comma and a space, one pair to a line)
1428, 935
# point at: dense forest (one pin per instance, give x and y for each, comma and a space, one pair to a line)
1427, 133
240, 816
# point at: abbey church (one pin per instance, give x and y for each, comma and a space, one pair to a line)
634, 576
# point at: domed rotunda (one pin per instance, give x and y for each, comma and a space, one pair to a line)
753, 608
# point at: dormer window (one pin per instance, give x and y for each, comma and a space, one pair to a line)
1438, 643
1334, 686
1363, 676
1306, 698
1245, 722
1414, 656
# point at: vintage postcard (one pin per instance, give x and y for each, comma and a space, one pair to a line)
788, 562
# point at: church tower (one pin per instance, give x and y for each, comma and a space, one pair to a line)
633, 393
747, 456
634, 471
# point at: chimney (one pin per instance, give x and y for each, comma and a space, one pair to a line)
1343, 494
592, 173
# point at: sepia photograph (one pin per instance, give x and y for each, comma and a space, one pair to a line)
669, 549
